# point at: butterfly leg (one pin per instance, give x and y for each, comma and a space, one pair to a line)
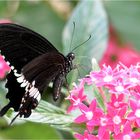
58, 82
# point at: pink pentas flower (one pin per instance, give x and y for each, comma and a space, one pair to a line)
117, 52
77, 96
76, 88
117, 118
5, 21
4, 67
134, 74
117, 101
104, 135
119, 90
120, 86
102, 121
88, 113
104, 128
136, 94
76, 100
96, 120
106, 76
116, 80
127, 133
86, 136
134, 115
109, 77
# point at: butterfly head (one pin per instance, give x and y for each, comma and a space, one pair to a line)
70, 56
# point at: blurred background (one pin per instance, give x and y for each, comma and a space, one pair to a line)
115, 34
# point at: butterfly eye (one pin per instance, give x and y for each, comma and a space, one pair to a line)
71, 56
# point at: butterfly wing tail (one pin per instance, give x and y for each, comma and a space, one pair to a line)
5, 109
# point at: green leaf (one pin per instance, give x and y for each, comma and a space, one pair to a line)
3, 100
47, 113
42, 19
93, 92
95, 65
125, 17
47, 107
29, 131
90, 19
3, 8
98, 97
66, 135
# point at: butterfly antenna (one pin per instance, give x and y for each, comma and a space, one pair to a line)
82, 43
14, 119
72, 36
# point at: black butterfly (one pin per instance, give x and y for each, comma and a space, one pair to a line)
34, 63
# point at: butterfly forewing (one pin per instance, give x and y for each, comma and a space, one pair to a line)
20, 45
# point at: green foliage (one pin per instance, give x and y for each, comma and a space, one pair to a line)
3, 101
50, 114
90, 19
98, 97
42, 19
29, 131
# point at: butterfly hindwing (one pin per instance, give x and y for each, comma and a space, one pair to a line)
44, 69
14, 89
12, 84
35, 76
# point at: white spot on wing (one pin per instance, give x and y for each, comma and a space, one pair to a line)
8, 63
33, 83
30, 88
33, 92
20, 79
17, 75
15, 71
38, 97
24, 84
12, 67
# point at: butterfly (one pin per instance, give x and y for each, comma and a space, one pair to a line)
34, 63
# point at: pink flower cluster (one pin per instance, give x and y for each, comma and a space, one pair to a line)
4, 67
119, 116
119, 52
